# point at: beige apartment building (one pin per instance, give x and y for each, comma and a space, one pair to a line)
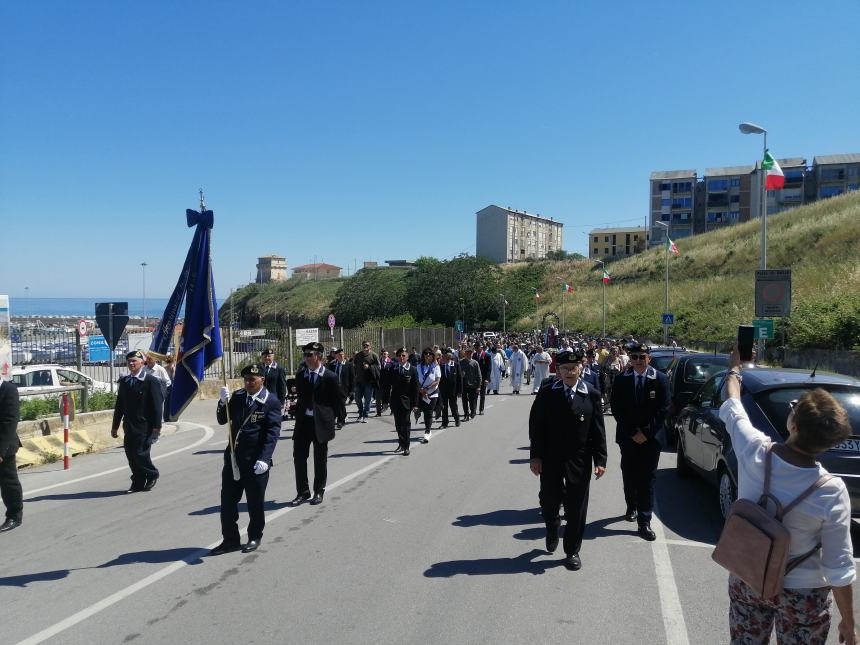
318, 271
606, 243
510, 235
672, 197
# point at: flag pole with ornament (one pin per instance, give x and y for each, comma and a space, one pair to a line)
565, 289
604, 281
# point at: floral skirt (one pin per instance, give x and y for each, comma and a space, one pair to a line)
800, 615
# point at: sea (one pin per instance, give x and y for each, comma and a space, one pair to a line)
83, 307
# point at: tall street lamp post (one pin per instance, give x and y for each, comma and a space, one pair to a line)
143, 272
752, 128
603, 282
666, 305
27, 293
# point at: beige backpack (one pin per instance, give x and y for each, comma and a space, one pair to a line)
754, 544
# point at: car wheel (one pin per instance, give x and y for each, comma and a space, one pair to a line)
728, 492
682, 466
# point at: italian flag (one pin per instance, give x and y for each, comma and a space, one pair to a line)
566, 288
537, 295
606, 277
775, 179
671, 246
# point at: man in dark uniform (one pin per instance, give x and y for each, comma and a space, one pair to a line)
472, 383
343, 369
320, 399
254, 415
450, 387
401, 394
485, 361
366, 379
10, 485
567, 444
139, 406
590, 373
640, 402
276, 376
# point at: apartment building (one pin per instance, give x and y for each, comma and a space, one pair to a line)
672, 201
510, 235
727, 196
606, 243
836, 174
794, 193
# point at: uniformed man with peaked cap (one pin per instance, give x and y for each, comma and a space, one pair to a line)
567, 445
254, 415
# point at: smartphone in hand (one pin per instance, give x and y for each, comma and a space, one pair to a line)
746, 340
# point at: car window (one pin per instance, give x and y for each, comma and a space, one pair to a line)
706, 395
775, 403
699, 370
67, 376
662, 362
35, 378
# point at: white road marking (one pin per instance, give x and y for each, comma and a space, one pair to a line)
207, 435
670, 602
122, 594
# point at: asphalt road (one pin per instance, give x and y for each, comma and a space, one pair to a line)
443, 546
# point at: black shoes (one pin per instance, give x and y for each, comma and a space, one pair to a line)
134, 489
150, 484
551, 538
646, 533
300, 498
457, 423
318, 498
252, 546
572, 562
406, 452
398, 449
9, 524
225, 547
630, 515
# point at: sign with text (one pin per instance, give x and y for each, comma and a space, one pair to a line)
141, 341
763, 329
305, 336
97, 349
772, 293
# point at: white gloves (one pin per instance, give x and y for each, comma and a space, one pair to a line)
260, 467
225, 394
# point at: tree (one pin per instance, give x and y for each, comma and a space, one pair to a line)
371, 293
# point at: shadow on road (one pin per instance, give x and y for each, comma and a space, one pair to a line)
191, 555
524, 563
687, 507
599, 528
376, 453
25, 579
243, 507
87, 494
518, 461
209, 452
505, 517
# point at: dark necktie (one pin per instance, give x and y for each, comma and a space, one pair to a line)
248, 401
338, 370
639, 388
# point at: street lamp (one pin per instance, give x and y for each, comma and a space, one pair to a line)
666, 309
143, 271
27, 293
752, 128
603, 282
563, 300
504, 309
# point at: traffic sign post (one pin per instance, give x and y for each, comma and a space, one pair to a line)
773, 293
763, 329
82, 327
112, 317
668, 319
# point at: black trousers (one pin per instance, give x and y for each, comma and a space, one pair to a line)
638, 468
449, 400
470, 402
137, 446
563, 482
403, 424
303, 436
428, 409
254, 487
483, 395
10, 488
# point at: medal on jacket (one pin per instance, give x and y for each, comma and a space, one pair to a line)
582, 417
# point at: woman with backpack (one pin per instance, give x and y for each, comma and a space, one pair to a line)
820, 552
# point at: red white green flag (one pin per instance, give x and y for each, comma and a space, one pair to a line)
537, 295
566, 288
775, 180
606, 277
671, 246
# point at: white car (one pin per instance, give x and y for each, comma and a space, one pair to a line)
489, 335
48, 379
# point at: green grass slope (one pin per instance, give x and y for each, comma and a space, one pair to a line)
712, 282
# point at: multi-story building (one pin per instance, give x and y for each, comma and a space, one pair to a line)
318, 271
836, 174
509, 235
672, 200
616, 242
727, 196
271, 268
790, 196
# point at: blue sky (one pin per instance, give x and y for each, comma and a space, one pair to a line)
355, 131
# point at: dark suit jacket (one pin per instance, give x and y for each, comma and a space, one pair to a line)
647, 416
402, 392
347, 376
471, 372
139, 405
485, 361
276, 382
369, 375
593, 379
451, 383
9, 413
571, 432
260, 425
324, 397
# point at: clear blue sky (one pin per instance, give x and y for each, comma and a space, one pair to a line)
375, 130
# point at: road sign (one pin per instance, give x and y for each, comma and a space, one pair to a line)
763, 329
331, 321
773, 292
82, 327
668, 319
458, 325
112, 317
305, 336
98, 350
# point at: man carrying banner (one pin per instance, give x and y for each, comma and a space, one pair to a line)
254, 415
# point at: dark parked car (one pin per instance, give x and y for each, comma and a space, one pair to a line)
687, 373
662, 358
705, 448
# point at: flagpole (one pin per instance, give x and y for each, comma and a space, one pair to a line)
603, 282
665, 325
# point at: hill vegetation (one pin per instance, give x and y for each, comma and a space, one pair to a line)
711, 287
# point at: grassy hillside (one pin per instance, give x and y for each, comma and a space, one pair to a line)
301, 303
712, 282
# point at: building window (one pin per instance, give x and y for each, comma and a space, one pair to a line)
734, 199
635, 238
793, 176
830, 191
595, 238
734, 215
718, 184
606, 251
665, 201
833, 174
735, 182
682, 186
682, 202
665, 217
853, 186
606, 238
665, 185
852, 171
